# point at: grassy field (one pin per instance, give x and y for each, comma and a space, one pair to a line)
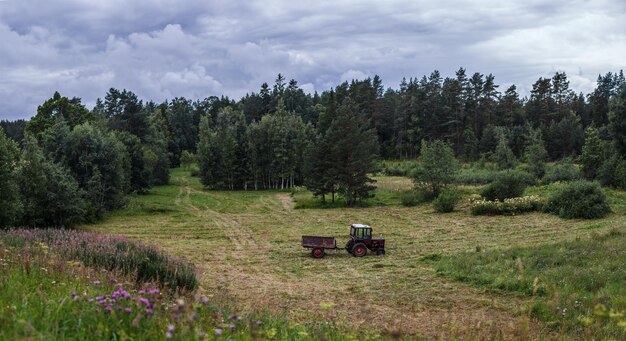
247, 247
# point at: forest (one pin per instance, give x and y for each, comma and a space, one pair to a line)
69, 164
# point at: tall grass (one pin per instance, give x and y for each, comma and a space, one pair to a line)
143, 262
577, 287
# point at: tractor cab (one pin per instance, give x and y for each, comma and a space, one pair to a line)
361, 240
360, 232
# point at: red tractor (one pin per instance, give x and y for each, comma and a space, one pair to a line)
360, 240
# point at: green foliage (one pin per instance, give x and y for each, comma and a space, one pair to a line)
475, 176
353, 154
612, 172
617, 119
57, 108
592, 154
509, 206
410, 198
508, 184
567, 281
187, 159
564, 171
156, 158
536, 154
50, 195
397, 168
437, 166
99, 163
503, 157
10, 204
446, 200
579, 199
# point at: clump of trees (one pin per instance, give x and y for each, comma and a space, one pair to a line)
282, 137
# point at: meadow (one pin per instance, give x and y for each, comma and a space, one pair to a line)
246, 247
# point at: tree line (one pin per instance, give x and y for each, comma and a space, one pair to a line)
282, 137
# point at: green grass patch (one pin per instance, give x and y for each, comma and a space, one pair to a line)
568, 281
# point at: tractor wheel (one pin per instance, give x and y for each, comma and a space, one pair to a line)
317, 253
359, 250
380, 252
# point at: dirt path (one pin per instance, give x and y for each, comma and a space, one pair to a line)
286, 200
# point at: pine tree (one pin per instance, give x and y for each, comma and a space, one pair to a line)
592, 155
617, 120
503, 157
536, 154
353, 153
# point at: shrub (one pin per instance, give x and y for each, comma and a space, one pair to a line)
612, 172
510, 206
408, 198
579, 199
474, 176
562, 172
446, 200
503, 157
508, 184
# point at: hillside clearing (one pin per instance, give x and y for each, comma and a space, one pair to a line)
247, 245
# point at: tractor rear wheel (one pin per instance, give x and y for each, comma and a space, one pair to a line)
380, 252
359, 250
317, 252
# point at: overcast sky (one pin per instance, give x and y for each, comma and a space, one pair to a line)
198, 48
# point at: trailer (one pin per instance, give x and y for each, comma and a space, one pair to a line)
360, 241
318, 245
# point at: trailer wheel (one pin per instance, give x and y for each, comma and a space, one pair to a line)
380, 252
359, 250
317, 253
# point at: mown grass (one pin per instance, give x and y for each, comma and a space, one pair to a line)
571, 284
247, 247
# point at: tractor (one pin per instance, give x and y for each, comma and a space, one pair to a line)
360, 240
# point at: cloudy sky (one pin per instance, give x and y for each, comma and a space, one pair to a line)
196, 48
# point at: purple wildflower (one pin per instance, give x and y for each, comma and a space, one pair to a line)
96, 282
232, 327
218, 331
168, 335
170, 328
128, 310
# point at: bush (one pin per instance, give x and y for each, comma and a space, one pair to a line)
612, 172
508, 184
475, 176
446, 200
562, 172
510, 206
579, 199
409, 198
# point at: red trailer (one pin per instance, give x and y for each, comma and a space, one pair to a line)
318, 244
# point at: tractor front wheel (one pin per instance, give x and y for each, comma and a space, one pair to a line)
317, 252
380, 252
359, 250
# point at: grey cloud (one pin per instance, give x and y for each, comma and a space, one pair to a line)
161, 49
